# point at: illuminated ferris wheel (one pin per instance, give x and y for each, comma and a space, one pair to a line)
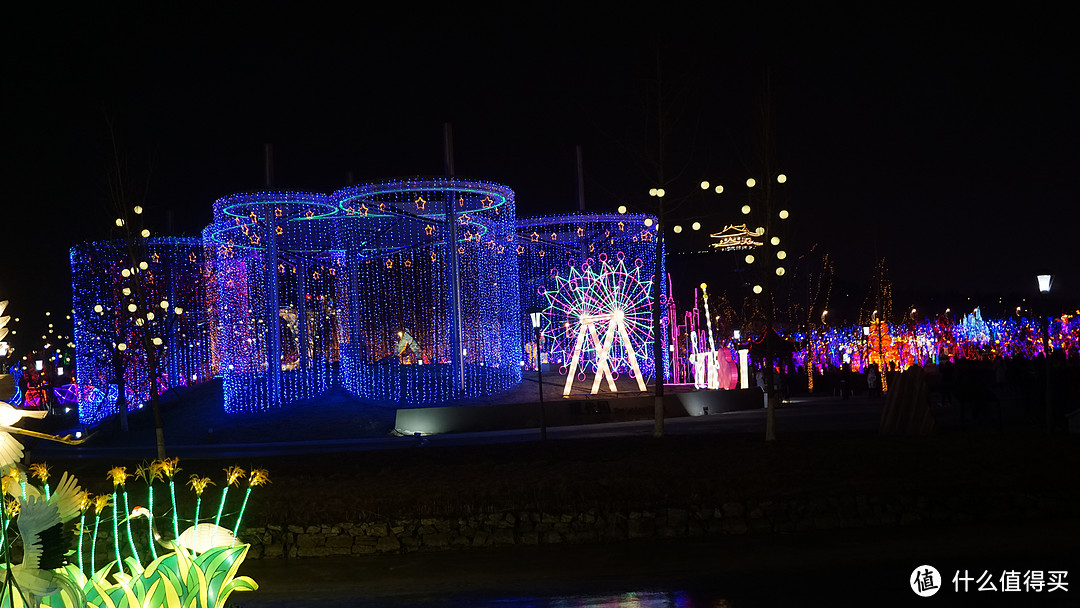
600, 321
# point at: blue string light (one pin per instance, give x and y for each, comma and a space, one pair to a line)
101, 296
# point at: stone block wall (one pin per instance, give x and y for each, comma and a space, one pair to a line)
595, 526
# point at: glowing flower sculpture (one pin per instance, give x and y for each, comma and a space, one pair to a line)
233, 475
84, 505
198, 485
257, 477
149, 472
170, 467
41, 471
119, 477
600, 321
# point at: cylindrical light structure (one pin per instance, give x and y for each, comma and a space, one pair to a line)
435, 312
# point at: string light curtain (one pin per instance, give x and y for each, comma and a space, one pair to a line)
435, 312
111, 315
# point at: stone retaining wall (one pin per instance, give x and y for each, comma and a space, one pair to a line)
593, 526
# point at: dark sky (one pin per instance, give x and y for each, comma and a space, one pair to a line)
943, 142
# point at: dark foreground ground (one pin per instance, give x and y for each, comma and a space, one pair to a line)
992, 454
841, 568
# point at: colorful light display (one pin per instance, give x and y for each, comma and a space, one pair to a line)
930, 342
586, 270
104, 290
436, 313
313, 290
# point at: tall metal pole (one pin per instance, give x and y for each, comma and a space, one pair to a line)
453, 268
658, 266
540, 387
1046, 365
658, 342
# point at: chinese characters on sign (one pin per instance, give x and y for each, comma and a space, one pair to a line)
1035, 581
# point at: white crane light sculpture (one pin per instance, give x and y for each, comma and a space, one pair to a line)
11, 451
197, 539
48, 534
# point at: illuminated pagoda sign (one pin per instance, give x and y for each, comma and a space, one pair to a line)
736, 238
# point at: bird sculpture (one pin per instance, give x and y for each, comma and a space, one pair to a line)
48, 532
197, 539
11, 451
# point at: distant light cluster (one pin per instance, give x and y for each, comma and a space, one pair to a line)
934, 340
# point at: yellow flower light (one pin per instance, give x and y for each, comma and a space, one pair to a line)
101, 502
198, 484
86, 501
118, 475
233, 475
169, 466
40, 470
258, 477
11, 507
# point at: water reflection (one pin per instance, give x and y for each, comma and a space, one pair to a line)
642, 599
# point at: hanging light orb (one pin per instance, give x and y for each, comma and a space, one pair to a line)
784, 214
750, 183
749, 258
704, 185
746, 209
757, 289
696, 226
780, 179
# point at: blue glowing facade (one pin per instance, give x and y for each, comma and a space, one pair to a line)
401, 290
118, 315
404, 290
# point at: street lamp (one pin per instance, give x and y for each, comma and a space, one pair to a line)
1045, 281
534, 317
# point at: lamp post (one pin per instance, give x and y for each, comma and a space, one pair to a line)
534, 317
1045, 281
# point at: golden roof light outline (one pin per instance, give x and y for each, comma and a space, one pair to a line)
736, 237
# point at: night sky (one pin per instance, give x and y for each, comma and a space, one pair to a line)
942, 142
